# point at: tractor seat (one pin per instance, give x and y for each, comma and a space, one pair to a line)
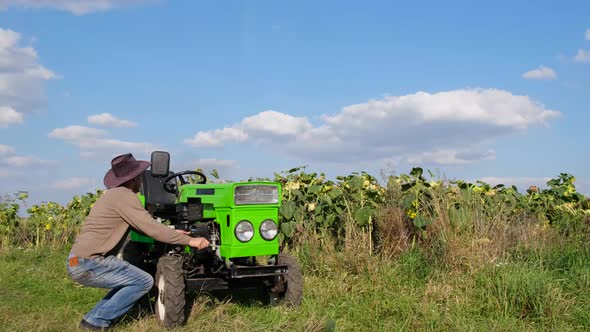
158, 202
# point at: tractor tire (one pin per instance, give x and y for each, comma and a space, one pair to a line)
291, 284
171, 297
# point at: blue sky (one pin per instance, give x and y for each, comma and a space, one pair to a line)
497, 91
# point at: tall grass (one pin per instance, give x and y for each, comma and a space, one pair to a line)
348, 287
475, 267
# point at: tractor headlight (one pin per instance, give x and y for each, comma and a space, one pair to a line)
256, 194
268, 230
244, 231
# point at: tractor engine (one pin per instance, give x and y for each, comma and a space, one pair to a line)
189, 213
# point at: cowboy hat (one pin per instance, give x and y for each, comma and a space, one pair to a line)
123, 169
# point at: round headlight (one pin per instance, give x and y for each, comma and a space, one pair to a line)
244, 231
269, 230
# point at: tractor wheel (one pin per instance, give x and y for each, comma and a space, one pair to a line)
171, 298
288, 289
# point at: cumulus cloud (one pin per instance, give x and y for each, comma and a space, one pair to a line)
450, 157
582, 56
10, 159
21, 78
108, 120
77, 7
73, 183
24, 161
77, 133
217, 138
9, 116
267, 123
94, 142
275, 123
541, 73
5, 150
451, 127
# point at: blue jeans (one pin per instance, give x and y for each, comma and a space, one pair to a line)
126, 282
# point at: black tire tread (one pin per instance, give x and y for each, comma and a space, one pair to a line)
294, 280
175, 291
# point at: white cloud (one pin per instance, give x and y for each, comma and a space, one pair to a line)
77, 7
108, 120
77, 133
587, 34
95, 142
217, 137
9, 38
450, 157
9, 116
73, 183
6, 150
265, 123
24, 161
452, 127
14, 162
541, 73
491, 107
582, 56
275, 123
21, 78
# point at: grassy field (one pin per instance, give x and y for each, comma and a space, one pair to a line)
542, 288
429, 257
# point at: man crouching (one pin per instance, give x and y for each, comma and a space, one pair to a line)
92, 261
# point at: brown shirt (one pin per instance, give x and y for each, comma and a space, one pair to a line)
109, 220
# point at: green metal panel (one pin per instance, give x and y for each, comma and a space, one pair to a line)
249, 250
223, 193
221, 197
136, 237
232, 247
218, 204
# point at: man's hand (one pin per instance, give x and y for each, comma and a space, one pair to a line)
195, 242
199, 242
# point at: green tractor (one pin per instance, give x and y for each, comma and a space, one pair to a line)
239, 219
